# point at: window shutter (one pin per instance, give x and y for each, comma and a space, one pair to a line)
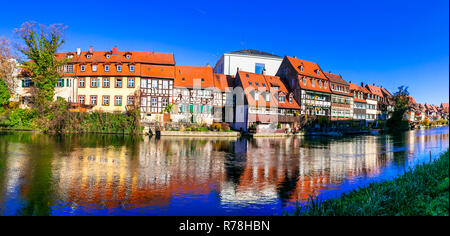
62, 82
23, 83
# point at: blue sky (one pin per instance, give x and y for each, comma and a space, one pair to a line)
389, 43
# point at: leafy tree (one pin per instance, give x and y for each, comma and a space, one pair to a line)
41, 44
7, 65
4, 93
402, 104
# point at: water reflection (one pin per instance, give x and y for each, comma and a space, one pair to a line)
120, 175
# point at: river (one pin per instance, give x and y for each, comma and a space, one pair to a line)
94, 174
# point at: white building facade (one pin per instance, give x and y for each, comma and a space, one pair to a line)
248, 60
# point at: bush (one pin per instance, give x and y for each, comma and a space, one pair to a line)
225, 126
5, 95
21, 119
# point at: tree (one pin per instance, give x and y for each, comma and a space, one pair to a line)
7, 65
401, 105
41, 44
4, 93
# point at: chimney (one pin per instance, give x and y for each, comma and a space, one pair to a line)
78, 51
295, 56
114, 50
373, 84
264, 72
91, 50
207, 64
237, 69
362, 84
350, 82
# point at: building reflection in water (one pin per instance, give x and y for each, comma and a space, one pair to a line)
92, 173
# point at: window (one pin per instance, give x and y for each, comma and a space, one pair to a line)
143, 83
119, 68
165, 102
81, 83
108, 56
325, 84
268, 97
130, 82
259, 68
60, 83
256, 96
318, 72
304, 80
105, 100
106, 68
94, 68
128, 56
105, 82
249, 82
27, 83
69, 83
257, 84
93, 100
282, 99
301, 68
118, 100
264, 85
154, 102
70, 56
88, 56
68, 68
131, 68
130, 100
154, 84
165, 84
118, 83
83, 68
81, 99
94, 82
290, 99
313, 82
320, 83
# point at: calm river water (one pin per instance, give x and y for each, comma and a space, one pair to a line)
121, 175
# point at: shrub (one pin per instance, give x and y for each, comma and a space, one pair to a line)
225, 126
5, 95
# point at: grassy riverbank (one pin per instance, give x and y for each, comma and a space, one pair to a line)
421, 191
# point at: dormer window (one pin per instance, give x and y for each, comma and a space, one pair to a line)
304, 80
203, 80
318, 72
108, 56
83, 68
128, 56
320, 84
301, 68
264, 85
290, 99
131, 68
70, 56
107, 68
119, 68
88, 56
313, 82
94, 68
325, 84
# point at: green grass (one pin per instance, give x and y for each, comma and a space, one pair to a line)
422, 191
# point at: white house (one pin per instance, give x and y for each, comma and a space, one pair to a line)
248, 60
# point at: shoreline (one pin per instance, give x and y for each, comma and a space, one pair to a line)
422, 190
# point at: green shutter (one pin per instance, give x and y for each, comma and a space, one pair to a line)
181, 108
191, 108
23, 83
62, 82
201, 108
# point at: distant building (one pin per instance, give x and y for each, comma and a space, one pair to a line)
341, 98
264, 104
359, 101
309, 84
377, 94
248, 60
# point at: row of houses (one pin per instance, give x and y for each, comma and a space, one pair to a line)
246, 88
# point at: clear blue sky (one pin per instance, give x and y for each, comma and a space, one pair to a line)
389, 43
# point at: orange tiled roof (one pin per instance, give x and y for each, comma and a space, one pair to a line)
310, 71
221, 82
335, 78
374, 90
263, 83
158, 71
135, 57
185, 76
354, 87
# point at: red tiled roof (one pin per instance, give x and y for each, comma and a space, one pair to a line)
444, 106
385, 92
186, 76
309, 68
